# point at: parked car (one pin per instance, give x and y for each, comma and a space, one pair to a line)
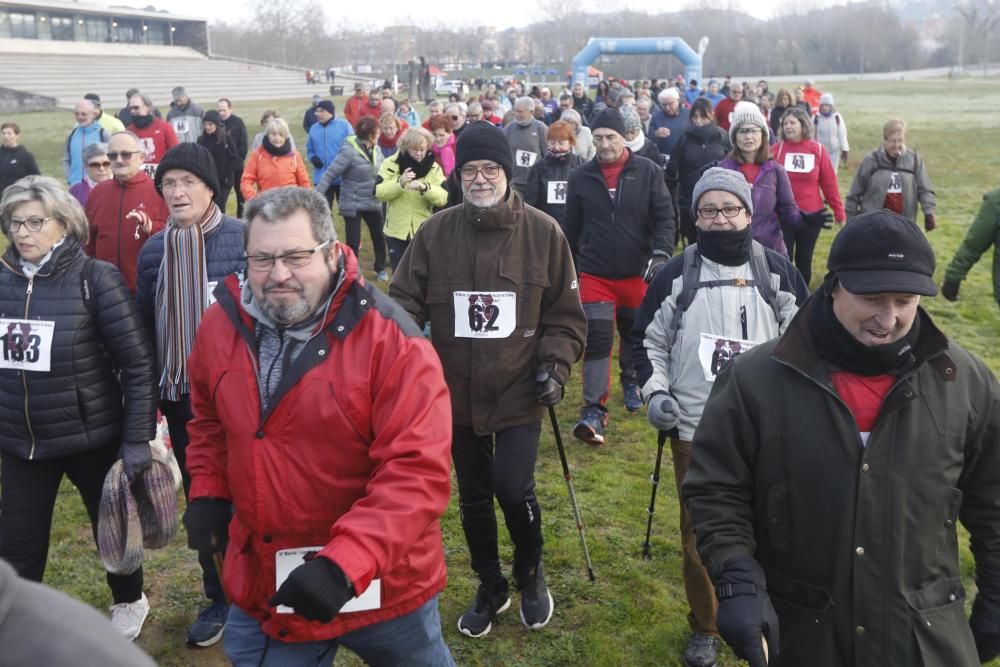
449, 87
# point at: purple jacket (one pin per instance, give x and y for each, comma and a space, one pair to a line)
774, 205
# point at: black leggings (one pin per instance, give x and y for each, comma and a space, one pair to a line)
28, 491
397, 248
352, 229
800, 244
507, 471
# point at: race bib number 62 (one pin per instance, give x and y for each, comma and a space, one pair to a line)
26, 344
485, 314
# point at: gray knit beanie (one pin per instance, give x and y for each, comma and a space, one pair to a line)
744, 113
630, 119
726, 180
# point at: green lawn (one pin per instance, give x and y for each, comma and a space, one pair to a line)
634, 614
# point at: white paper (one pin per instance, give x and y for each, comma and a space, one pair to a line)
26, 344
485, 314
523, 158
799, 163
286, 560
557, 192
714, 352
895, 183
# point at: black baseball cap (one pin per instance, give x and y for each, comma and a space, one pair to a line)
882, 251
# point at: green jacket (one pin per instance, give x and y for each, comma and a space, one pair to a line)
859, 543
984, 232
407, 209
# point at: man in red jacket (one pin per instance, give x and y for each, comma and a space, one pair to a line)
354, 107
156, 136
724, 109
124, 211
322, 416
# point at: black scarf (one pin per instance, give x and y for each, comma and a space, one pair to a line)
843, 350
283, 149
420, 169
142, 121
730, 248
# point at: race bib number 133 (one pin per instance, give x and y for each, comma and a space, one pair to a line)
485, 314
26, 344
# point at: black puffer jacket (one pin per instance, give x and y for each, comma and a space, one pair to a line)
552, 170
79, 404
697, 148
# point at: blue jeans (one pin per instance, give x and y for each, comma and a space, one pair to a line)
414, 639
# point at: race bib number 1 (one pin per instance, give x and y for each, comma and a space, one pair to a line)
485, 314
714, 352
26, 344
286, 560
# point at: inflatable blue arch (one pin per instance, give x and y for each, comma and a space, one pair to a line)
636, 46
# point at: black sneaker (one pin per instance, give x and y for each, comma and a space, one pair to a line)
590, 428
536, 601
207, 628
491, 599
633, 400
701, 651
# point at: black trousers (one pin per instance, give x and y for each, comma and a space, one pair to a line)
222, 198
237, 177
28, 491
397, 248
800, 244
501, 465
333, 192
178, 414
373, 220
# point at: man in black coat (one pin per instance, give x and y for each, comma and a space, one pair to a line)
236, 130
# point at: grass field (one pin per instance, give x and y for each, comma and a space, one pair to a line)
634, 614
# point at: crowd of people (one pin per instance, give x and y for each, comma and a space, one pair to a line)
316, 420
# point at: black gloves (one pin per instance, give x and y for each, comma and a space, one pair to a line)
316, 590
316, 162
136, 458
821, 218
985, 625
745, 611
207, 523
949, 290
929, 222
654, 265
550, 386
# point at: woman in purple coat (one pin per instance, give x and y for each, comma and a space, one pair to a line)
774, 205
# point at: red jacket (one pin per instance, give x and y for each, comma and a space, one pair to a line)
811, 174
354, 454
354, 108
154, 140
723, 110
112, 235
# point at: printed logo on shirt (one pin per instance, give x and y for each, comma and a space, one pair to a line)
799, 163
180, 126
895, 184
524, 158
714, 352
557, 192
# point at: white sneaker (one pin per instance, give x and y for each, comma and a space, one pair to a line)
128, 617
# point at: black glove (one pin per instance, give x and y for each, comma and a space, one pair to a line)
745, 611
136, 458
316, 590
985, 625
949, 290
654, 265
316, 162
207, 523
929, 222
821, 218
550, 386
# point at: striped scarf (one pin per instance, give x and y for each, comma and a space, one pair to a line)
181, 298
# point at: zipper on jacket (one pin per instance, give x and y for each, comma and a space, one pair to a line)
24, 374
121, 206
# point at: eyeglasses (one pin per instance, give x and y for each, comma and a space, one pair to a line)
99, 165
124, 155
186, 183
33, 224
454, 117
710, 212
295, 259
135, 108
748, 131
489, 172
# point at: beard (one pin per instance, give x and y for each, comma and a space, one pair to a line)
286, 311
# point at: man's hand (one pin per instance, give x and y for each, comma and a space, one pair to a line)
745, 612
207, 523
949, 290
929, 222
662, 132
316, 162
843, 157
550, 387
663, 411
136, 458
142, 221
654, 265
316, 590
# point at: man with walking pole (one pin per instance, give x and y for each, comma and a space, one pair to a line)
722, 296
495, 279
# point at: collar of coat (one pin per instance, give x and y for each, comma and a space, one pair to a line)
505, 214
797, 348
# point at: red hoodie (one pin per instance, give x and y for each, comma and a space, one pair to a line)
810, 172
154, 140
112, 235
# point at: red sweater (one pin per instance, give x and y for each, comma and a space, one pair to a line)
154, 140
722, 111
613, 170
863, 396
810, 173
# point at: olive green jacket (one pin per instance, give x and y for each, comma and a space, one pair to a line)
984, 232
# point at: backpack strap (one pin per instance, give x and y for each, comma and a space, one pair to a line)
762, 279
689, 285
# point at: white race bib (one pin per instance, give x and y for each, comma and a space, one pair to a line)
148, 148
714, 352
485, 314
26, 344
212, 284
557, 192
799, 163
180, 126
150, 168
287, 560
895, 183
524, 158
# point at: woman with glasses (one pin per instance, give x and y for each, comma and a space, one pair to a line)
77, 384
16, 161
411, 183
96, 169
774, 207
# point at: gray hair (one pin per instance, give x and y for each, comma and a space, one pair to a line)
278, 204
474, 107
145, 100
435, 104
669, 93
804, 120
93, 150
54, 198
279, 125
572, 116
524, 104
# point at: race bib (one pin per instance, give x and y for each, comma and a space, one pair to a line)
799, 163
150, 168
557, 192
180, 126
485, 314
895, 184
714, 352
26, 344
287, 560
524, 158
148, 149
212, 284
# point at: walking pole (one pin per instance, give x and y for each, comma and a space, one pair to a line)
661, 438
217, 559
572, 494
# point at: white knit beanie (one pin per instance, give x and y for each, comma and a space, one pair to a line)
747, 112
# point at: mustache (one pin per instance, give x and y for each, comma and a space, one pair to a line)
270, 286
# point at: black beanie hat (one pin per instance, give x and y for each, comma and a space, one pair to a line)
212, 116
189, 157
484, 141
328, 106
610, 119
